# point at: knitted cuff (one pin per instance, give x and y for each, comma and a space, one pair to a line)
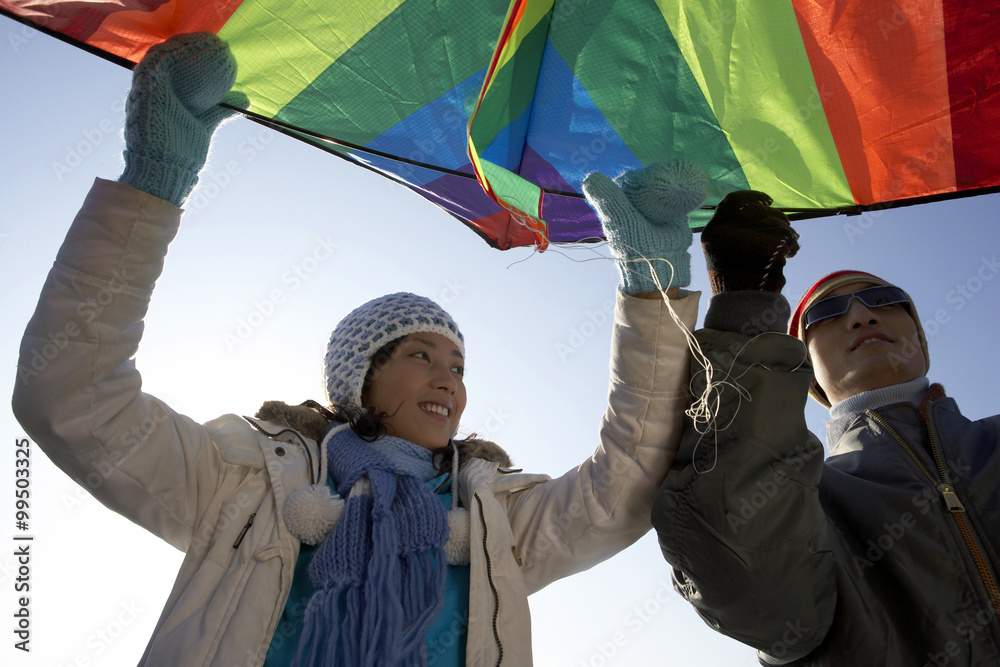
636, 277
737, 279
748, 312
169, 182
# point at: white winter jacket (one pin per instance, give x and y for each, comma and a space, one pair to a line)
216, 491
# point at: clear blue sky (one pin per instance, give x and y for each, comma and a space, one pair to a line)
274, 251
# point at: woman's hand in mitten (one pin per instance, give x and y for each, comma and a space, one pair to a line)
644, 217
172, 112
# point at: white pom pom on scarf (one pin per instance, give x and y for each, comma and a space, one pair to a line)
312, 512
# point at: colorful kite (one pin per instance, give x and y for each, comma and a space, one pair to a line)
496, 110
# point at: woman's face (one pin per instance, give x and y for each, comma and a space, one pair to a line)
422, 390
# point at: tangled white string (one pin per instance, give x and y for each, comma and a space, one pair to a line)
705, 406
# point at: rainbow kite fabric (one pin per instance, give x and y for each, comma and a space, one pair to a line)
497, 110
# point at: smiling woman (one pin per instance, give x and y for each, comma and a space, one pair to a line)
420, 389
397, 357
334, 534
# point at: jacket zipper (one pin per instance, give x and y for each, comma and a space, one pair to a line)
243, 533
951, 499
489, 576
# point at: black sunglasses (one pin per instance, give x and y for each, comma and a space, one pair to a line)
873, 297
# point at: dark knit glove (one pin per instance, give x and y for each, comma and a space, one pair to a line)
171, 113
746, 244
644, 217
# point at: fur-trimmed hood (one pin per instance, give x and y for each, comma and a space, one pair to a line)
310, 422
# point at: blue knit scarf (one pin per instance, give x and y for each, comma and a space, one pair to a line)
379, 575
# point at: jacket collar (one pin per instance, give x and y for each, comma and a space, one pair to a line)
311, 423
917, 395
844, 413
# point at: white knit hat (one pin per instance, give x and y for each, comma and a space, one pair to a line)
370, 327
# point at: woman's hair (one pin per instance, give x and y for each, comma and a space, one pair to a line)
369, 423
378, 362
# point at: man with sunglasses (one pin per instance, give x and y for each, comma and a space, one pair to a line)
883, 550
862, 334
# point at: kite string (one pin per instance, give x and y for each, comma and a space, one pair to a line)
700, 412
705, 407
708, 424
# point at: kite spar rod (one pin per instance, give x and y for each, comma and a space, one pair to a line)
284, 128
793, 213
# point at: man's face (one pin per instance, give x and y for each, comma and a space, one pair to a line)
865, 348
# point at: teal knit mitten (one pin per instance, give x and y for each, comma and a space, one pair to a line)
644, 217
171, 113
